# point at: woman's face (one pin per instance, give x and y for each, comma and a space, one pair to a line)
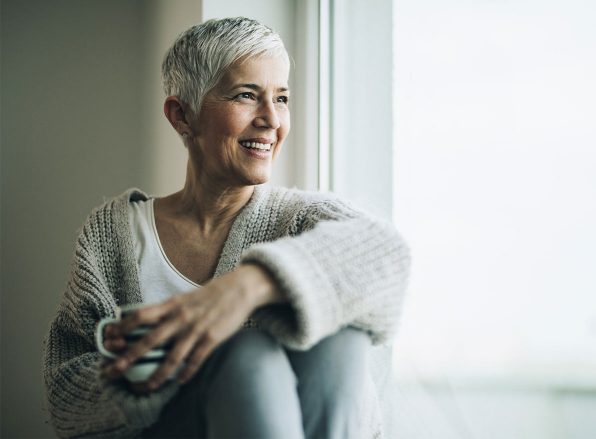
243, 123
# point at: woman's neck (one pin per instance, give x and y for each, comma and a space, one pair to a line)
212, 207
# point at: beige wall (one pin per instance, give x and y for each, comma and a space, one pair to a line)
78, 82
81, 121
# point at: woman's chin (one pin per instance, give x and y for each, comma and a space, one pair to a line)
255, 178
260, 180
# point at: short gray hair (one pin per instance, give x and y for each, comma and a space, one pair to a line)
200, 56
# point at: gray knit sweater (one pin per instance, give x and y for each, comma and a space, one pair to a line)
336, 265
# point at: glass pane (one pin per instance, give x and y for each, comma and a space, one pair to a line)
496, 192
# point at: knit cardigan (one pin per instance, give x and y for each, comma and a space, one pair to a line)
336, 266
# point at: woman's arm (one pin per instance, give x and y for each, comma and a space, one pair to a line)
80, 401
198, 321
345, 268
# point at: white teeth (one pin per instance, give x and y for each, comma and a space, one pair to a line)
255, 145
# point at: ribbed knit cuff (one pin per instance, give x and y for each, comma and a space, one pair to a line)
143, 410
312, 298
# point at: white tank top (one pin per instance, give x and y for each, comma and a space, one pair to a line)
158, 277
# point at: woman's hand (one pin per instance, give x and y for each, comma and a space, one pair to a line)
196, 322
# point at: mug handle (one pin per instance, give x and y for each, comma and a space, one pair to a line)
99, 336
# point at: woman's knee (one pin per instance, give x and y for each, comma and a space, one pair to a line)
336, 367
332, 378
349, 341
345, 357
252, 392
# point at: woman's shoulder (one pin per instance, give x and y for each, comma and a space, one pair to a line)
111, 215
115, 203
301, 197
311, 204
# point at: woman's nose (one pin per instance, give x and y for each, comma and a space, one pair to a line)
267, 117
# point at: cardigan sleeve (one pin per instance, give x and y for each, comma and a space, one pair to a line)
343, 268
80, 402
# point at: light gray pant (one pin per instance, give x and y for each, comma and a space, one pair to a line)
253, 387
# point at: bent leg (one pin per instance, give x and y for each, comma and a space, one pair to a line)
251, 392
245, 389
331, 381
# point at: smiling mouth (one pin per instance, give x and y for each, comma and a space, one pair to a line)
257, 145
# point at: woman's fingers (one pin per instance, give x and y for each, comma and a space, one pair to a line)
189, 353
150, 341
197, 322
112, 341
147, 316
202, 350
115, 345
174, 360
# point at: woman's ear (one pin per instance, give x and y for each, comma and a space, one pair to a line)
176, 113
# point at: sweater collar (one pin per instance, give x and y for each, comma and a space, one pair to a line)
234, 242
230, 254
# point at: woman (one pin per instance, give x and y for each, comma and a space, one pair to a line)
271, 298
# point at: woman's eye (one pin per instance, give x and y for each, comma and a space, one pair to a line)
245, 95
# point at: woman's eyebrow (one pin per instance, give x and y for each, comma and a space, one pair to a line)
257, 87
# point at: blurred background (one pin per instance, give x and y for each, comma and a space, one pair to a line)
470, 124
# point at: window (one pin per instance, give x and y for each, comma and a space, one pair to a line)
496, 184
487, 160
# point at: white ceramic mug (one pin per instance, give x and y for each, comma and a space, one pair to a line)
145, 366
